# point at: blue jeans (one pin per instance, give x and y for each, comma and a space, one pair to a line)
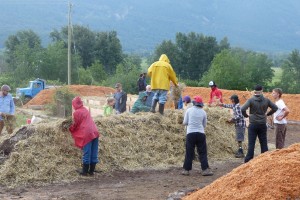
160, 95
192, 140
260, 131
90, 152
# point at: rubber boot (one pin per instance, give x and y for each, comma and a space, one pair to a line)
161, 108
154, 103
85, 169
92, 168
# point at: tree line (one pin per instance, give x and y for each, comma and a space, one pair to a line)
98, 59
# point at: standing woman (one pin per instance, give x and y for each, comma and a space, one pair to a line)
86, 136
195, 119
280, 118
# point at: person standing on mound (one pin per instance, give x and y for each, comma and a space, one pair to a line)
85, 133
161, 73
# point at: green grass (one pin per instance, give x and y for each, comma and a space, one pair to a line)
20, 119
277, 75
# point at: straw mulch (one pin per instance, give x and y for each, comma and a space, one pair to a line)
272, 175
128, 142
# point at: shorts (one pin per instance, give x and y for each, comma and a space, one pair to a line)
160, 95
239, 133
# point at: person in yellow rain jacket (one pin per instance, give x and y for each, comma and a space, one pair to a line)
161, 73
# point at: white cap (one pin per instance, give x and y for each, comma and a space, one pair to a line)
211, 83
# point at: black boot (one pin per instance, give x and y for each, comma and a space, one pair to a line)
85, 169
92, 168
240, 153
154, 103
161, 108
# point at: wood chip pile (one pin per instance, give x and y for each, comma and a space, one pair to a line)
272, 175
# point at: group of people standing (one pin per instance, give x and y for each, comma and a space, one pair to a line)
195, 118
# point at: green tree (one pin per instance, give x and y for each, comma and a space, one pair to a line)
290, 80
23, 52
239, 69
191, 55
127, 73
97, 72
108, 49
83, 40
54, 63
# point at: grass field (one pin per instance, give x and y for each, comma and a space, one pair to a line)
277, 74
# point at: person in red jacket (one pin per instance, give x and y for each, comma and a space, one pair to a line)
86, 136
215, 94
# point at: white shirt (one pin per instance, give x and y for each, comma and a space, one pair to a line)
195, 118
281, 105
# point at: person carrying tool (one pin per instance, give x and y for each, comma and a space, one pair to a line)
161, 73
7, 110
258, 105
86, 136
240, 123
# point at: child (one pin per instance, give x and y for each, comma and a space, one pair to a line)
85, 133
240, 123
279, 118
195, 119
108, 109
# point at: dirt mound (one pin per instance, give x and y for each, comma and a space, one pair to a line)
291, 100
128, 141
272, 175
46, 96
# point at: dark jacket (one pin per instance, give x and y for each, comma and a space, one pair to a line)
258, 105
140, 105
121, 99
141, 84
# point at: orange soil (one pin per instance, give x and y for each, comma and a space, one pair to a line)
46, 96
272, 175
292, 100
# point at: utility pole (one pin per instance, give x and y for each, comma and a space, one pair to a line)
69, 45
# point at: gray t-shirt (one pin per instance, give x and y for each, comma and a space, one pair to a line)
196, 119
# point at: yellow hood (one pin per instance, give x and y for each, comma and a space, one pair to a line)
164, 58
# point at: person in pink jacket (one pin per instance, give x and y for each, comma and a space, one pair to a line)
86, 136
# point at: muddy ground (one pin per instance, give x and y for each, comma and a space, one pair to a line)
144, 184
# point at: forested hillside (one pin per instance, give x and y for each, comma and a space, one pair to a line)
257, 25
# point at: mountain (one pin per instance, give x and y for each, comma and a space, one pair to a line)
259, 25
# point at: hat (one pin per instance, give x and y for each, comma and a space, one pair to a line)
5, 88
211, 83
258, 88
118, 85
235, 98
198, 101
186, 99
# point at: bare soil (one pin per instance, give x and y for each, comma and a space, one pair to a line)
143, 184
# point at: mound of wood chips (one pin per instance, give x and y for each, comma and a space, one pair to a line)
272, 175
